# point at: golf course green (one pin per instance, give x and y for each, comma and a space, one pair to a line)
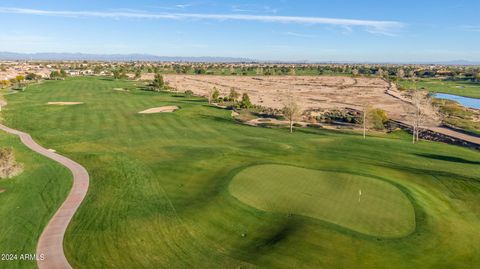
359, 203
195, 189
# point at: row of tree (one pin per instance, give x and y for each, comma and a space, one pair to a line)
58, 74
232, 97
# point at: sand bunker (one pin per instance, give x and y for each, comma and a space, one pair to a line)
64, 103
120, 89
162, 109
2, 190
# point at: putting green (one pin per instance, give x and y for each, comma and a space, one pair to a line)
380, 210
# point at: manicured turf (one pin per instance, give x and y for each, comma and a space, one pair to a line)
461, 88
369, 206
29, 201
159, 186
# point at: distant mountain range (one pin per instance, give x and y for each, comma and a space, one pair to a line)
459, 62
52, 56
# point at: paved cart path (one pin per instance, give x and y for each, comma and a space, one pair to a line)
50, 243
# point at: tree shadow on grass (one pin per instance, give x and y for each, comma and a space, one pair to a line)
216, 107
446, 158
443, 174
218, 119
191, 100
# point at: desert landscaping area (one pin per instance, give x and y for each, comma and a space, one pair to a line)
312, 92
317, 94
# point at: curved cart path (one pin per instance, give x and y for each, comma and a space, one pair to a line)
50, 243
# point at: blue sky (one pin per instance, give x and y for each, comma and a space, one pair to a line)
340, 30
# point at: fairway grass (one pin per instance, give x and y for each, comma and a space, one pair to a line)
28, 202
365, 205
460, 88
159, 187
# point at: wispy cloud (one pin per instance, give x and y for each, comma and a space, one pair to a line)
177, 7
298, 34
470, 28
254, 9
183, 5
371, 26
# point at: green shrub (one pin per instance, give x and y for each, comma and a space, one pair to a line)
188, 93
245, 103
377, 118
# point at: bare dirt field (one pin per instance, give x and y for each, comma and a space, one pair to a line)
162, 109
312, 92
64, 103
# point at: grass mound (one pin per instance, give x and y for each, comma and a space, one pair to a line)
362, 204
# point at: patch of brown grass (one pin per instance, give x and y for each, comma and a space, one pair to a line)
8, 165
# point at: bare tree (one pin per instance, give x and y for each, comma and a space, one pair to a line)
380, 72
400, 73
210, 95
291, 110
365, 109
423, 108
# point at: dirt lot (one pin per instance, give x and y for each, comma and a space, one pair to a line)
312, 92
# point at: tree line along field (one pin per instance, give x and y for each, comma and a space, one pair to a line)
165, 189
461, 88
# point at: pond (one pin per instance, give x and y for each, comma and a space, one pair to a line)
464, 101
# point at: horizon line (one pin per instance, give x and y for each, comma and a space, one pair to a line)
248, 59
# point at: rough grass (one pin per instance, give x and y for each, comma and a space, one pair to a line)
28, 202
461, 88
159, 186
369, 206
459, 116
